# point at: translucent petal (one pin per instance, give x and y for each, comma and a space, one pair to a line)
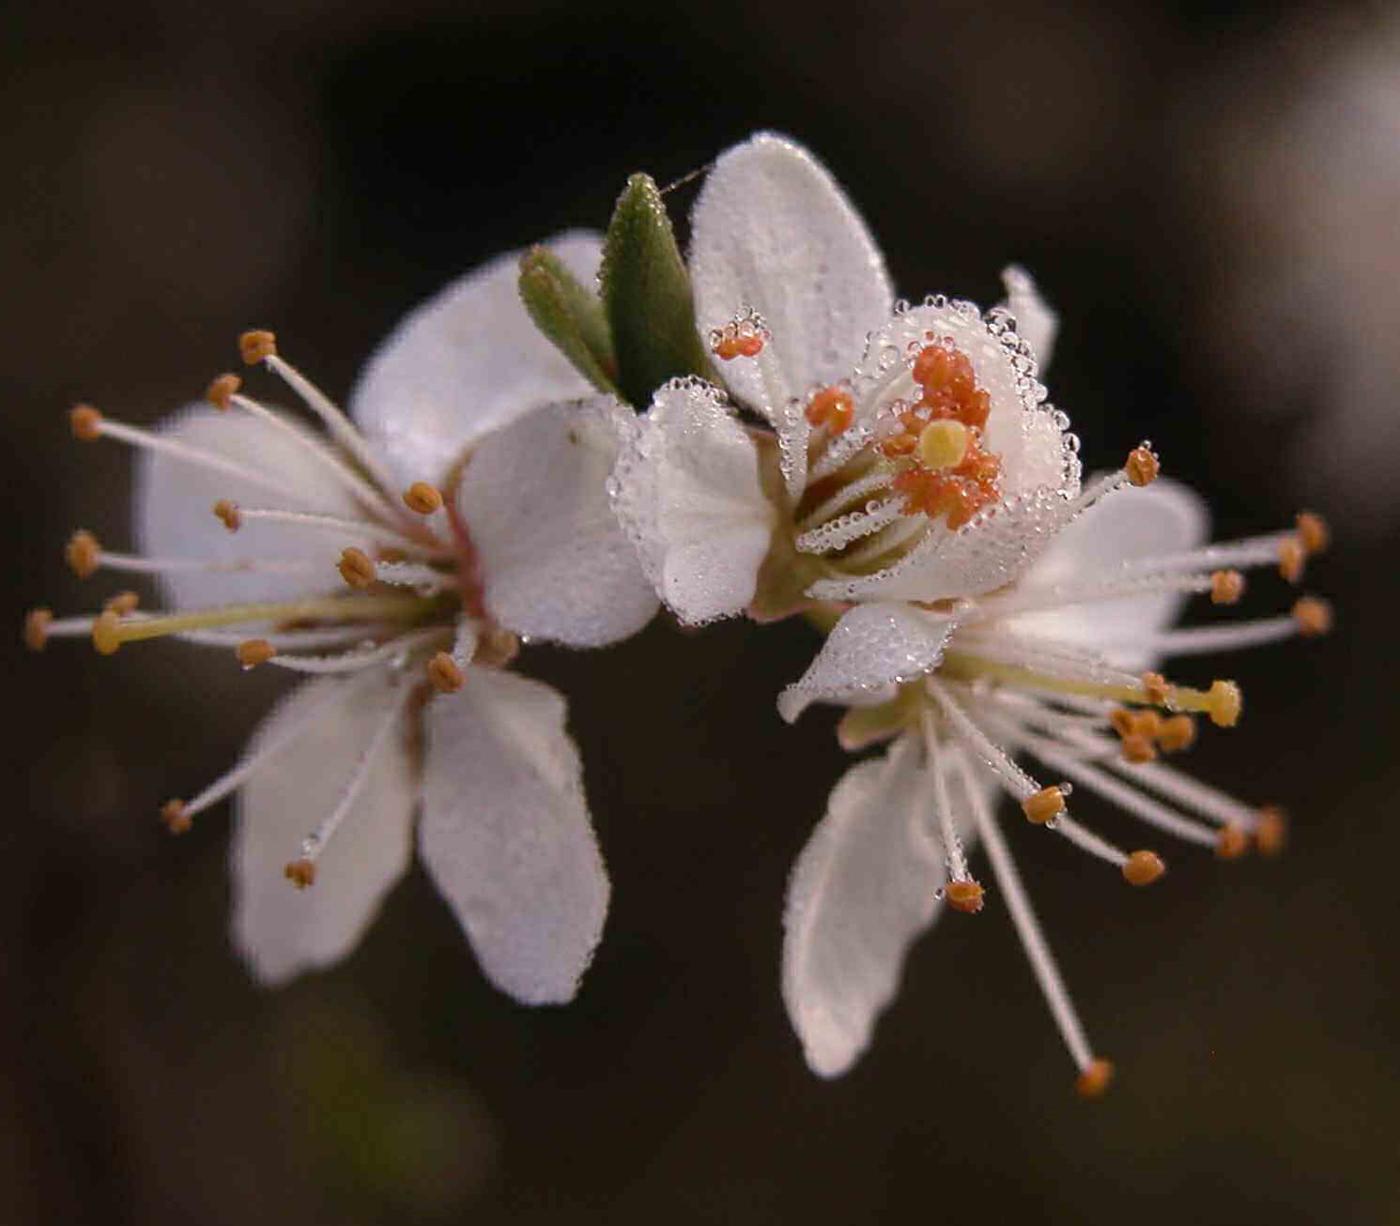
688, 492
862, 890
174, 510
1164, 517
872, 648
279, 930
774, 232
507, 837
1034, 318
466, 361
556, 562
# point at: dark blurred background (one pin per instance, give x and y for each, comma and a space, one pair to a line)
1212, 199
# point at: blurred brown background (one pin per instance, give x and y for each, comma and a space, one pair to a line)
1212, 199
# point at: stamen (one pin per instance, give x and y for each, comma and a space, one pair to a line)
88, 553
1271, 830
1252, 551
1313, 616
256, 346
1012, 777
1232, 842
1207, 640
1142, 465
445, 675
1032, 599
393, 650
85, 422
176, 817
252, 652
953, 853
425, 580
356, 568
1178, 733
422, 498
1291, 558
301, 873
831, 407
1313, 532
109, 631
1226, 587
122, 603
221, 391
1094, 1081
1044, 806
870, 483
1042, 961
964, 896
82, 553
841, 449
37, 624
841, 531
228, 514
1143, 868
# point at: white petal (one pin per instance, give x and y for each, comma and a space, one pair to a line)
1034, 319
556, 563
280, 930
774, 232
506, 834
174, 510
1164, 517
987, 553
862, 890
872, 647
467, 361
688, 492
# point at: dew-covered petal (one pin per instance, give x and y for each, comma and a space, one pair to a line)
688, 492
1162, 518
992, 550
506, 834
467, 361
871, 649
173, 510
862, 890
772, 231
279, 930
554, 558
1034, 318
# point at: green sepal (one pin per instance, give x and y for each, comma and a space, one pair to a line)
646, 293
570, 315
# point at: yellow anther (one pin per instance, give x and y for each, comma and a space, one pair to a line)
1224, 704
1142, 466
1313, 532
301, 873
1138, 748
1155, 688
85, 422
1143, 868
943, 444
445, 674
255, 345
36, 628
1094, 1080
422, 498
1044, 806
106, 633
122, 603
1226, 587
82, 553
1232, 843
1178, 732
1271, 830
221, 391
252, 652
356, 567
1313, 615
227, 513
1291, 557
964, 896
175, 816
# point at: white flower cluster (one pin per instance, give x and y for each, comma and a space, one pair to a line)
891, 473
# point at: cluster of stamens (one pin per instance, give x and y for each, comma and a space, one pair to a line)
743, 337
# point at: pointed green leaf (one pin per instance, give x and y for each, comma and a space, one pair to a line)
646, 292
569, 314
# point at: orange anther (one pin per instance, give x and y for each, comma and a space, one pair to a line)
422, 498
227, 513
1226, 587
175, 817
1232, 843
1313, 616
831, 407
1313, 532
496, 647
445, 674
85, 422
1226, 703
1138, 748
731, 345
106, 633
123, 603
1121, 720
964, 896
975, 410
899, 445
36, 628
1147, 722
1291, 556
1094, 1080
82, 553
222, 390
1178, 733
255, 345
356, 567
301, 873
1143, 868
1142, 466
1044, 805
252, 652
1155, 688
1271, 830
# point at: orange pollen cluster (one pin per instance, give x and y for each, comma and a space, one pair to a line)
960, 489
1143, 731
832, 407
743, 338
